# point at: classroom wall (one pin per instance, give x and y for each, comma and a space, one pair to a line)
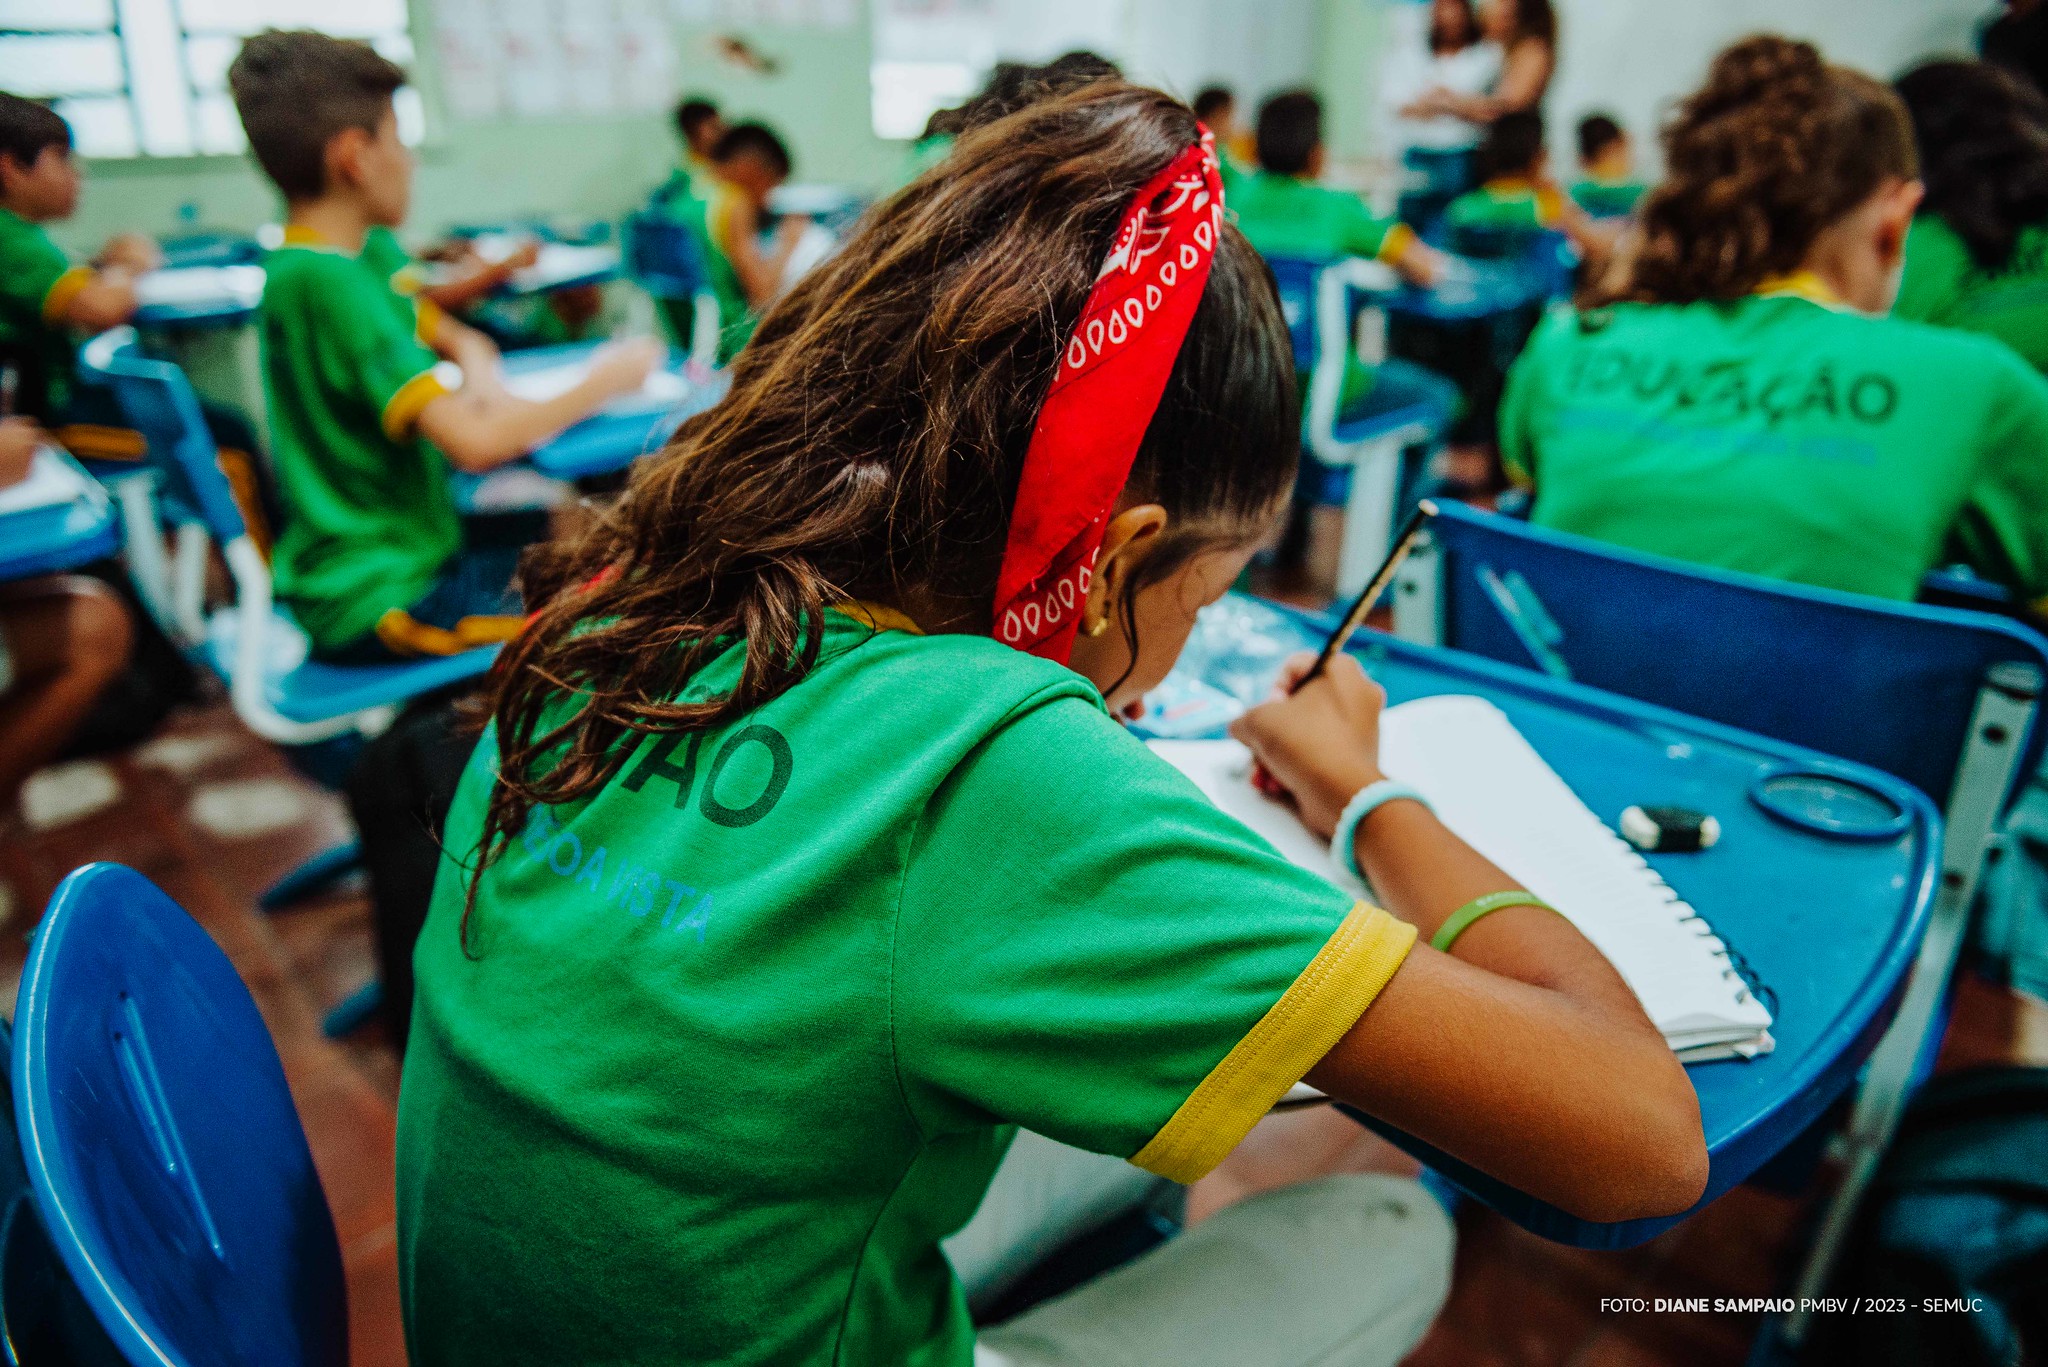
1634, 59
594, 166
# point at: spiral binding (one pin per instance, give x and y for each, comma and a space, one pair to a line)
1736, 966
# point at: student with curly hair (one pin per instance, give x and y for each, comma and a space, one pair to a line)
1733, 395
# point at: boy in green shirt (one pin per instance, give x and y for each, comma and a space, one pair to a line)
365, 421
747, 165
46, 302
1607, 186
1283, 212
1517, 195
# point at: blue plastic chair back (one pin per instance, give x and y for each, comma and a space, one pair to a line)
1298, 278
163, 1150
1544, 254
158, 402
663, 255
1891, 685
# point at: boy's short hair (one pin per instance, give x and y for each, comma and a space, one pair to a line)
296, 90
1210, 99
1290, 129
28, 128
753, 140
1512, 145
693, 114
1597, 133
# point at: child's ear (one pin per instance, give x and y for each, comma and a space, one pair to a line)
1126, 541
342, 158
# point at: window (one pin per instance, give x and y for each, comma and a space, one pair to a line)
148, 78
932, 54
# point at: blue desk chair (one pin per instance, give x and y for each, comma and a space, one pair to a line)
665, 259
1545, 255
319, 712
164, 1154
1944, 699
1320, 300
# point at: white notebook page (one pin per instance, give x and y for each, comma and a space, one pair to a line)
1489, 785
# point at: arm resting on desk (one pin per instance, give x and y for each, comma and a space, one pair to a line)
483, 425
1522, 1052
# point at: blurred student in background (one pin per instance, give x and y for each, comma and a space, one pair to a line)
1216, 107
1517, 193
1977, 256
63, 639
372, 557
700, 126
48, 304
1607, 186
1738, 398
747, 165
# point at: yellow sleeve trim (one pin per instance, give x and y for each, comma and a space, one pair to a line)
1396, 243
1549, 207
427, 319
404, 634
1305, 1024
64, 289
402, 414
406, 280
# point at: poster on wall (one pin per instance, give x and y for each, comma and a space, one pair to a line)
826, 14
548, 58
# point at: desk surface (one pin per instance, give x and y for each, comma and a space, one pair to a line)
208, 296
59, 536
1829, 926
615, 437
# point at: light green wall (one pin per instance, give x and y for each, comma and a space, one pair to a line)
601, 166
585, 166
1347, 74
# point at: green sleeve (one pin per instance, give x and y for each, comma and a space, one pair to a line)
1936, 264
30, 267
1364, 234
2003, 530
1083, 938
1517, 404
371, 346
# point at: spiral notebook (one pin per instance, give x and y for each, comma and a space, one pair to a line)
1489, 785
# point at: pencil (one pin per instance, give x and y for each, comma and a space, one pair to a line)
1369, 597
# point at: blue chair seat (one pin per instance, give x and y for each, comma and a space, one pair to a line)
308, 691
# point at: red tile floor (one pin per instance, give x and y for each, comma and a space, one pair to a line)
213, 816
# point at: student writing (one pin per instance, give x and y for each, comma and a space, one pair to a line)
371, 557
1737, 399
803, 856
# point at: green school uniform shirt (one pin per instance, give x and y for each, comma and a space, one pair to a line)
1944, 284
37, 284
1785, 436
1608, 198
741, 1038
1289, 216
369, 518
705, 217
1506, 204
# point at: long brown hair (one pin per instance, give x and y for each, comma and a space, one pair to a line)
1775, 147
871, 446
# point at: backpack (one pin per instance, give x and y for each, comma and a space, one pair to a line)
1955, 1227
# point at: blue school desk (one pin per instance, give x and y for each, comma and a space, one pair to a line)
613, 439
561, 266
59, 536
1485, 289
185, 298
1828, 925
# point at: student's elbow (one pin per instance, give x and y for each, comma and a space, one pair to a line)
100, 307
468, 440
1659, 1167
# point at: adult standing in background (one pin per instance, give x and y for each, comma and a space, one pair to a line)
1460, 61
1525, 31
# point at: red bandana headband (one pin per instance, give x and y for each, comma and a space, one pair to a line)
1102, 400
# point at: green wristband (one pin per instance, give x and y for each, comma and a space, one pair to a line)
1461, 920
